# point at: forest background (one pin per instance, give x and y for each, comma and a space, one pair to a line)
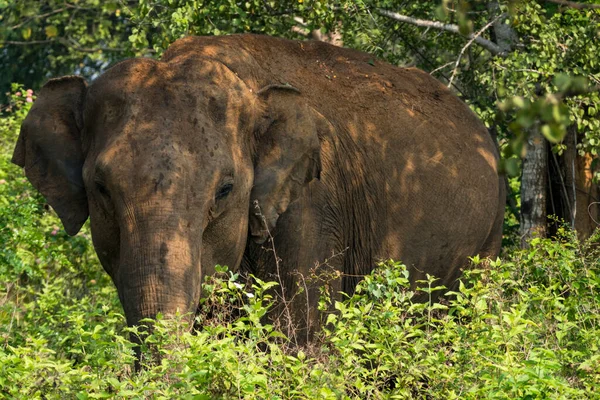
527, 326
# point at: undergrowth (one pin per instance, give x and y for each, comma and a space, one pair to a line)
526, 327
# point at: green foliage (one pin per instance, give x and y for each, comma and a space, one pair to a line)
49, 38
528, 327
159, 23
54, 294
552, 74
40, 39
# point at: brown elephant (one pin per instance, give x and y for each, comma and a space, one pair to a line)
349, 159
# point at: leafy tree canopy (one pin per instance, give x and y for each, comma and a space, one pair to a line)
41, 39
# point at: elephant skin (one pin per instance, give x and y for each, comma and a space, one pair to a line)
228, 142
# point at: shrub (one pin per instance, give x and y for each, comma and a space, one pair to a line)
527, 327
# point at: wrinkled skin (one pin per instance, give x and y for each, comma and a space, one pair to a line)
356, 162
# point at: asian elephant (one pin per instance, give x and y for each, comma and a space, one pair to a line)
350, 160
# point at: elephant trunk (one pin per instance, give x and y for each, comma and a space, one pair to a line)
159, 273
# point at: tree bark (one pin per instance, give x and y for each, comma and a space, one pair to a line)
534, 183
587, 192
505, 36
561, 196
572, 194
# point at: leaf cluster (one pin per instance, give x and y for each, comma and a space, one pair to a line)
48, 38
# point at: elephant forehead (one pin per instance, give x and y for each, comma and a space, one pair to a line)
167, 164
155, 82
186, 97
142, 153
142, 128
130, 75
137, 86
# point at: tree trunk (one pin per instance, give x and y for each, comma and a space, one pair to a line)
534, 182
572, 195
587, 217
505, 36
561, 196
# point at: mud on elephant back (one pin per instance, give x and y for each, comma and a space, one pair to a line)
343, 155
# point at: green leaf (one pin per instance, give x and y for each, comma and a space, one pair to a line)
26, 33
553, 132
51, 31
441, 12
518, 101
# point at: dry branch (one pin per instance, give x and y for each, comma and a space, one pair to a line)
487, 44
24, 43
70, 43
466, 46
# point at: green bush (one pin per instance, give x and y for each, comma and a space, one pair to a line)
527, 327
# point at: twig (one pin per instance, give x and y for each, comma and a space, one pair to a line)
21, 43
487, 44
38, 17
590, 213
474, 37
48, 14
307, 306
523, 70
442, 67
64, 42
70, 43
286, 307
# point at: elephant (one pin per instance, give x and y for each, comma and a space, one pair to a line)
230, 147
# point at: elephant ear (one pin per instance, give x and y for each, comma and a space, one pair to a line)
49, 148
287, 156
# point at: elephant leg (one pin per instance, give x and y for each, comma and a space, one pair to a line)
491, 247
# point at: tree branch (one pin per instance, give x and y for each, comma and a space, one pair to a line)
442, 67
578, 92
37, 17
73, 45
64, 42
487, 44
474, 38
572, 4
25, 43
48, 14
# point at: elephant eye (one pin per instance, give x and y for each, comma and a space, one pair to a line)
223, 191
102, 189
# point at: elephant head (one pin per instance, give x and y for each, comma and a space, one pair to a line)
168, 160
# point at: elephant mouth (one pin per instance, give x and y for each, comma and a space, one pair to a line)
260, 238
